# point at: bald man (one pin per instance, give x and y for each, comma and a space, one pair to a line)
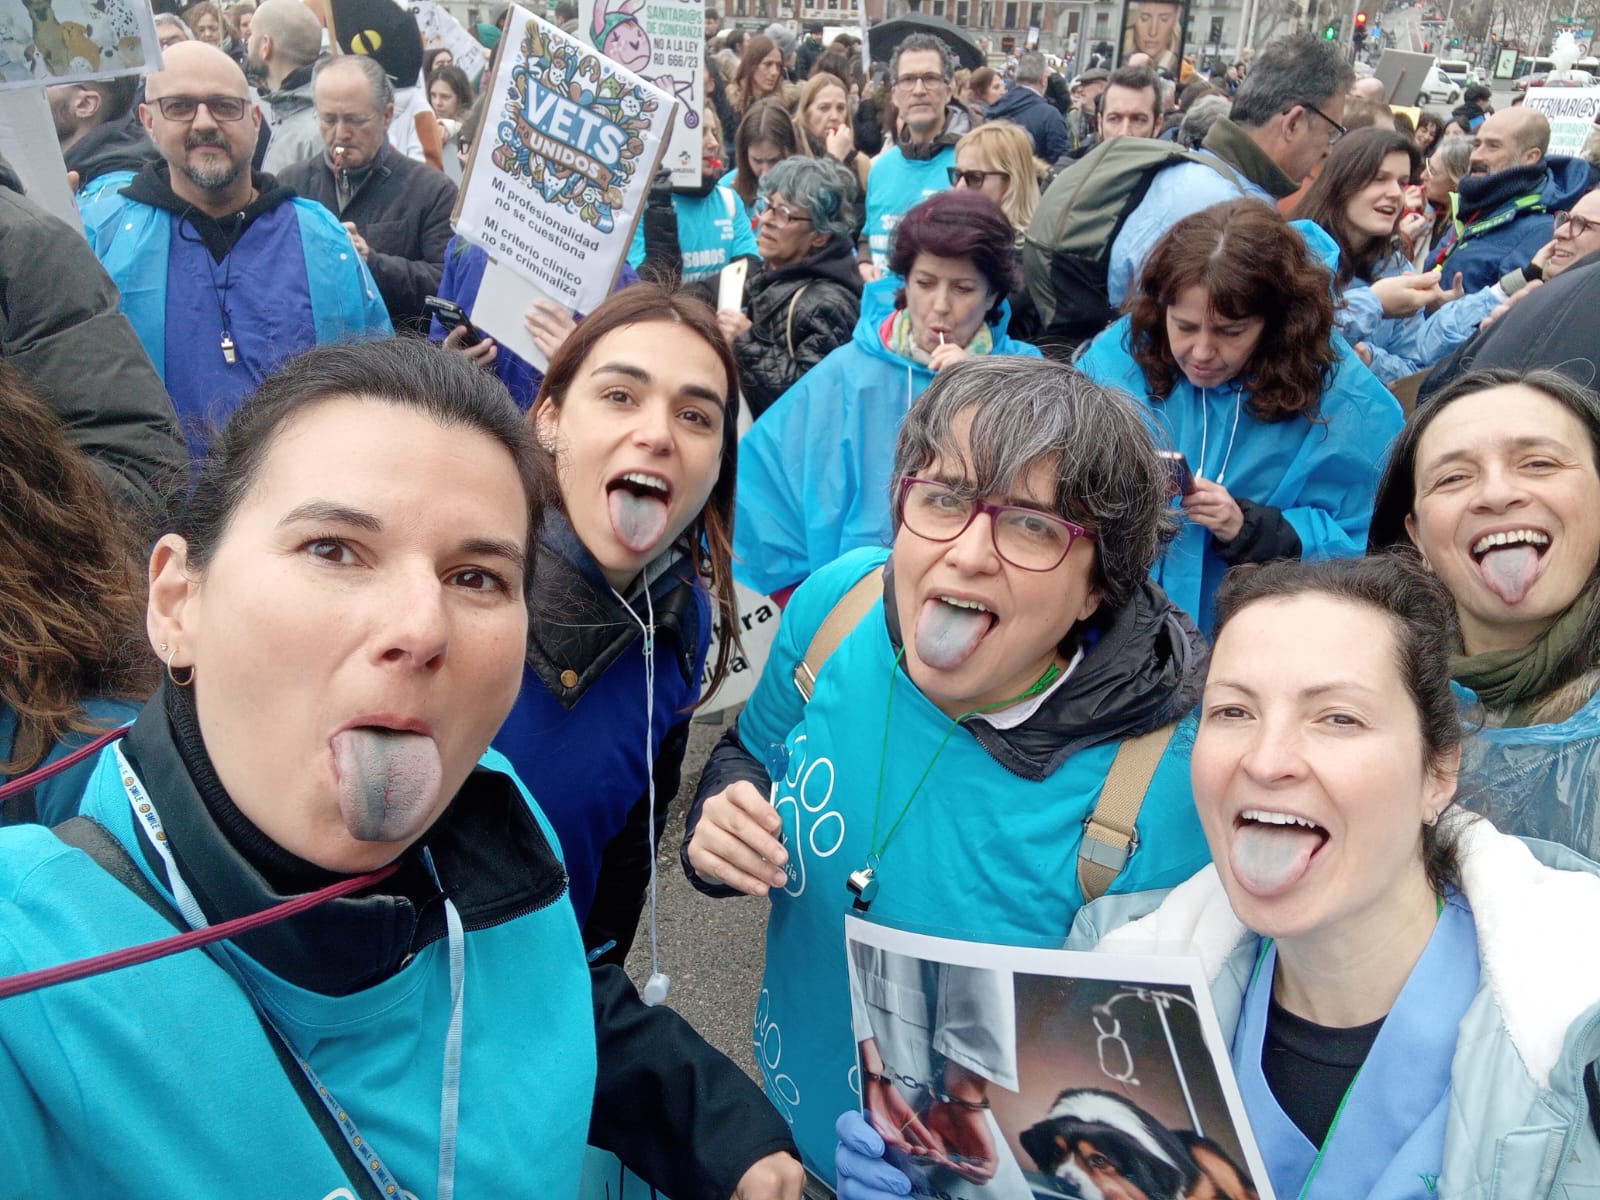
285, 41
1369, 87
223, 273
1507, 200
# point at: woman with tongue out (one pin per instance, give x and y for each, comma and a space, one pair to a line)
1495, 484
1408, 994
342, 615
638, 410
960, 734
1229, 341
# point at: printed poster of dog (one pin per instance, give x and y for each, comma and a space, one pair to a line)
997, 1073
69, 41
561, 166
663, 41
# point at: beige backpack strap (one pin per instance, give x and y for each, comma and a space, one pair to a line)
844, 616
1110, 835
788, 325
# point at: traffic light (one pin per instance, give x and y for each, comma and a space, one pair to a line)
1360, 35
1455, 41
1331, 32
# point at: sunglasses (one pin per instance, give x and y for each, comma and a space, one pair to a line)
973, 179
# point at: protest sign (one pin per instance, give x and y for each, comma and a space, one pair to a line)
758, 627
1068, 1047
664, 42
69, 41
561, 166
1571, 113
440, 29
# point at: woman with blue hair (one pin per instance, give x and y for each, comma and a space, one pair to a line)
803, 303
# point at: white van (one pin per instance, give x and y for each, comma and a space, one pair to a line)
1438, 88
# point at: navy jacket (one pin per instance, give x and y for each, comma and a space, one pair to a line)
1501, 227
1025, 107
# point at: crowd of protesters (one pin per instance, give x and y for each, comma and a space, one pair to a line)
365, 651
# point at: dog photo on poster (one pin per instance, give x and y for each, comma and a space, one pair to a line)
1155, 28
996, 1073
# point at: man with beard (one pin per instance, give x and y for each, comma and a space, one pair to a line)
223, 273
1505, 204
918, 165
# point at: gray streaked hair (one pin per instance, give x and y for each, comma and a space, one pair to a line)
824, 188
923, 42
1031, 69
174, 22
1457, 152
1299, 69
1197, 122
377, 78
1026, 411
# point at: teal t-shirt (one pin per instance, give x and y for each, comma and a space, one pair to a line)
713, 230
898, 184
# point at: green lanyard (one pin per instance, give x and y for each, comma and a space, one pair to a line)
863, 883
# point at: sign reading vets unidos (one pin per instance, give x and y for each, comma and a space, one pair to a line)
561, 166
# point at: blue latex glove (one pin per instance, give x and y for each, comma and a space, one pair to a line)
863, 1174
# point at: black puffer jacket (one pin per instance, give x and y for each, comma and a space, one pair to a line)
811, 305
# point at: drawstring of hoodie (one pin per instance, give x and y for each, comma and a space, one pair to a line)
657, 986
1205, 435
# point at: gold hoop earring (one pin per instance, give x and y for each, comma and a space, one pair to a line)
176, 682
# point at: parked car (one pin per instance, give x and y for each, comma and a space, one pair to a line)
1571, 79
1438, 89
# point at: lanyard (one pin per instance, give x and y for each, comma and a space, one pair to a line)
146, 816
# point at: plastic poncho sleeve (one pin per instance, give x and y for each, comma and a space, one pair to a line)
1333, 508
796, 489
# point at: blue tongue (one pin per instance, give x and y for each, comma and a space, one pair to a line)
946, 635
1509, 571
389, 782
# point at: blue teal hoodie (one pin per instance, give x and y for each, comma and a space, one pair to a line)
1507, 235
814, 470
1321, 473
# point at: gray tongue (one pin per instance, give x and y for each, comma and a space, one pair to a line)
388, 782
1509, 571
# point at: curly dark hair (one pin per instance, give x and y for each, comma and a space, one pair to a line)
1251, 264
72, 586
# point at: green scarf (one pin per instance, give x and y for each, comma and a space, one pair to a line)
1511, 679
900, 340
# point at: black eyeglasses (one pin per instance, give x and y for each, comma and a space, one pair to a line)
1029, 538
1338, 130
221, 108
927, 80
973, 179
781, 216
1580, 225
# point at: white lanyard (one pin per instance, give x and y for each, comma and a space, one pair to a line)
145, 815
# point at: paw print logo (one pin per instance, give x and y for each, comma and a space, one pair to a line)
768, 1046
809, 824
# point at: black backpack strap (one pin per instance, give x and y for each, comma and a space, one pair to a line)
88, 835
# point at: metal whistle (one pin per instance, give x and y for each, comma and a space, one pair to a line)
863, 885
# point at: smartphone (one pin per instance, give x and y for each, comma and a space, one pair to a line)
450, 315
1182, 479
